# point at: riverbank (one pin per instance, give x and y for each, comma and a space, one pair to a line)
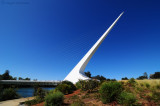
15, 102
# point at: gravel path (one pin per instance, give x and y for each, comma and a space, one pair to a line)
15, 102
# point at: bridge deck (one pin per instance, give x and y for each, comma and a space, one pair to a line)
28, 82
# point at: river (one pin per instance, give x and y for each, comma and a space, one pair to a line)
28, 92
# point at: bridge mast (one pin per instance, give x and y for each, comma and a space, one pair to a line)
78, 71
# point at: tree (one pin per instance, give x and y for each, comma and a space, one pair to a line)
156, 75
20, 78
145, 75
88, 74
15, 78
6, 76
1, 78
27, 78
101, 78
141, 77
125, 78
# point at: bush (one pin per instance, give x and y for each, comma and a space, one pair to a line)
141, 84
8, 94
140, 89
54, 99
132, 82
64, 88
92, 84
127, 99
83, 85
88, 85
40, 93
70, 84
147, 85
78, 85
110, 91
34, 101
31, 102
156, 96
158, 86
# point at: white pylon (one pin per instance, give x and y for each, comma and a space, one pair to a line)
77, 72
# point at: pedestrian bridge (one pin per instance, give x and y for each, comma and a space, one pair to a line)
30, 83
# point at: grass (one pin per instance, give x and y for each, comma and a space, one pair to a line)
152, 82
146, 82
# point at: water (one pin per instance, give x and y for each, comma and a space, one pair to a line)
28, 92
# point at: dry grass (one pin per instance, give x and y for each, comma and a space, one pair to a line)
152, 82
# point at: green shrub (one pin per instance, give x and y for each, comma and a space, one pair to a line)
147, 85
110, 91
141, 84
132, 82
78, 85
140, 89
54, 99
156, 96
52, 91
40, 93
9, 93
127, 99
88, 85
92, 84
31, 102
83, 85
158, 86
64, 88
70, 84
34, 101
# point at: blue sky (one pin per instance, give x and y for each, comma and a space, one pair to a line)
45, 39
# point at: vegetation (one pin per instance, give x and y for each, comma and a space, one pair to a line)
145, 76
40, 95
88, 85
70, 84
132, 82
110, 91
66, 87
125, 78
7, 94
127, 99
97, 91
156, 75
88, 74
54, 99
78, 102
6, 76
99, 77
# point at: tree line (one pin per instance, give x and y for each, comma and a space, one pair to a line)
156, 75
7, 76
